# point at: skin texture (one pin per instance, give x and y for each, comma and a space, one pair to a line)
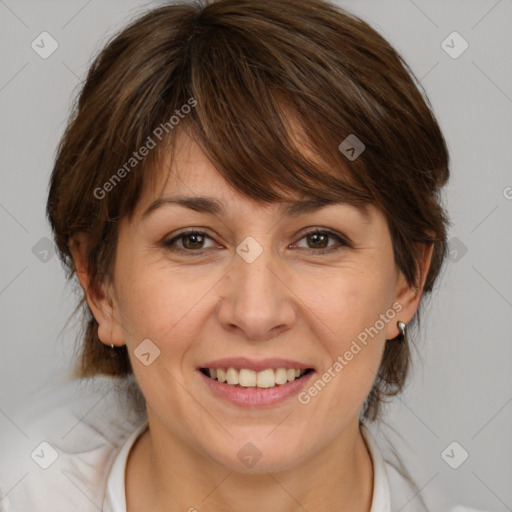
288, 303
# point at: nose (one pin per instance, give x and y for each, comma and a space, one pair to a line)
256, 301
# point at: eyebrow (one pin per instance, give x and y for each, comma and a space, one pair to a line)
212, 206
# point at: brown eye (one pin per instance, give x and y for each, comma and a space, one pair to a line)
191, 241
318, 241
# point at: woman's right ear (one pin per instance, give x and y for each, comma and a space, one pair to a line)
100, 302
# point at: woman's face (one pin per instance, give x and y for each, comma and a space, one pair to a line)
254, 286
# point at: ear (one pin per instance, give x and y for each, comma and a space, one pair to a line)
100, 301
409, 296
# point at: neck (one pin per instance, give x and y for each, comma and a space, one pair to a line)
165, 474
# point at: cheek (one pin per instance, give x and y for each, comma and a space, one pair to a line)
160, 303
352, 304
354, 309
167, 308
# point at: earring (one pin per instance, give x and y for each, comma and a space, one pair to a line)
112, 353
403, 331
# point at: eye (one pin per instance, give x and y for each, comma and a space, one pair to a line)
192, 241
319, 239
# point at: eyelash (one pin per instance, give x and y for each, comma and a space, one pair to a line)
342, 242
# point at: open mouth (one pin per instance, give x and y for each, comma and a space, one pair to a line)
245, 378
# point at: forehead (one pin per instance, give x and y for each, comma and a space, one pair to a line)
186, 177
186, 171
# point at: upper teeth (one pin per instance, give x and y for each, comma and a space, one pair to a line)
249, 378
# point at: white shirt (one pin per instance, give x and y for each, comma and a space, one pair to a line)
66, 451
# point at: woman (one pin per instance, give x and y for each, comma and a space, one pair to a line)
248, 194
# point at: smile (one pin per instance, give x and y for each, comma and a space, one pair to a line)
248, 388
247, 378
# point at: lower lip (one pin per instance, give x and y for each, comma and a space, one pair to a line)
254, 397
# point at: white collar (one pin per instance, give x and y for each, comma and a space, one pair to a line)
381, 501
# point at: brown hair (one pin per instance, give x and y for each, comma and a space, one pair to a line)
245, 68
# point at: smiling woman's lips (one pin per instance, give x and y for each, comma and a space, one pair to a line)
253, 396
256, 365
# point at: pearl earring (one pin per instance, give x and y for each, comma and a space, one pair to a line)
402, 328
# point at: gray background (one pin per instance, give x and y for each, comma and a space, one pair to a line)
461, 388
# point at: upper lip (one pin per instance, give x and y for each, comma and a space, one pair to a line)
255, 365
